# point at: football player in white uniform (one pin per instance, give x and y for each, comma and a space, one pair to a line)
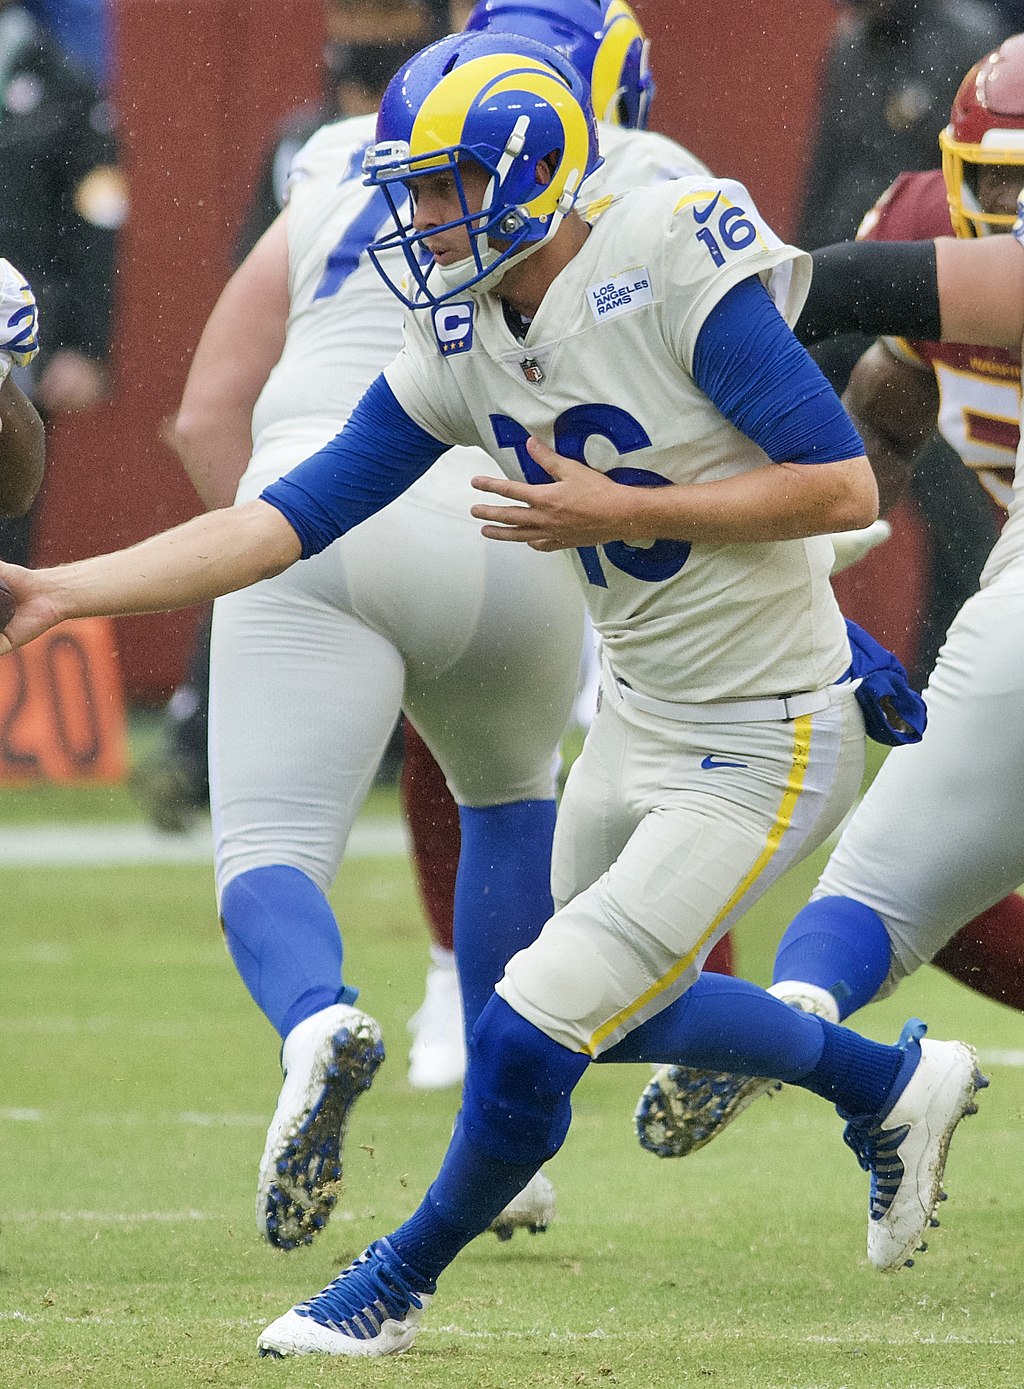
22, 443
478, 643
935, 842
650, 346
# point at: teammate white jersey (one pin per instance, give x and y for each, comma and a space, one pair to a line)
344, 325
1009, 548
604, 374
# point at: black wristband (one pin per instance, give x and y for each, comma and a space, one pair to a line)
873, 287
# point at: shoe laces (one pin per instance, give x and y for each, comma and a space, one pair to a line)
372, 1290
877, 1147
877, 1151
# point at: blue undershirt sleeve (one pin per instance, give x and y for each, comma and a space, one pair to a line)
379, 453
749, 363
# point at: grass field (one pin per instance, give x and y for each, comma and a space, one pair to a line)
138, 1080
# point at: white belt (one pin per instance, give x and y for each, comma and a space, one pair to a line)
732, 710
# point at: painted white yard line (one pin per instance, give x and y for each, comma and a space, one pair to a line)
125, 845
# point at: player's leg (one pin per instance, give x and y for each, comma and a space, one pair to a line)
937, 839
493, 711
437, 1057
599, 971
512, 682
934, 842
303, 700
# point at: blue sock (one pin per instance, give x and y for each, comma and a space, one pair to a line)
724, 1024
502, 892
285, 942
857, 1075
470, 1190
840, 945
515, 1114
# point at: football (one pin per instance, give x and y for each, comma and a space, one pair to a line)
8, 603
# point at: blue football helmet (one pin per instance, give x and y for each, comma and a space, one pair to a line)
603, 39
505, 103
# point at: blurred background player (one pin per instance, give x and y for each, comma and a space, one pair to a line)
62, 199
478, 643
921, 870
22, 447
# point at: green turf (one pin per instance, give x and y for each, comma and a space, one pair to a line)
137, 1082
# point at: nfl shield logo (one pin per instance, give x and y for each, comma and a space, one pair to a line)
531, 369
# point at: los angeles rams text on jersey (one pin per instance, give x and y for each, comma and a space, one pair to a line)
615, 391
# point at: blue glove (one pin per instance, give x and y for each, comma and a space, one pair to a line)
893, 712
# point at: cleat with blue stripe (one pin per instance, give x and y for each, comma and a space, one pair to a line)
329, 1060
904, 1147
373, 1308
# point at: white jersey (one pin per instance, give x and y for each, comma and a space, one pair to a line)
1009, 547
345, 325
604, 374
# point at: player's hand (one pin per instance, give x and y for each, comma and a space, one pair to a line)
19, 319
38, 609
580, 506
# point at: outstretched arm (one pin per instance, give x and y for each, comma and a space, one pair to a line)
193, 563
380, 452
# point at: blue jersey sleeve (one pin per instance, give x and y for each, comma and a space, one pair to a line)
749, 363
379, 453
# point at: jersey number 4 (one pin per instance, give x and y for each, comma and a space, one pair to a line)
651, 563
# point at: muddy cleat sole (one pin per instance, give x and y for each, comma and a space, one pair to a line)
905, 1149
329, 1060
371, 1309
682, 1109
532, 1210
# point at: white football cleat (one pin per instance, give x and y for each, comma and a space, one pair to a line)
329, 1060
904, 1147
371, 1309
683, 1108
533, 1209
437, 1058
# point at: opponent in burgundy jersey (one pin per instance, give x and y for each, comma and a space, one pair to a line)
979, 387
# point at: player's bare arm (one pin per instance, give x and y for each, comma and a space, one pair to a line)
981, 290
22, 450
193, 563
241, 343
584, 507
894, 405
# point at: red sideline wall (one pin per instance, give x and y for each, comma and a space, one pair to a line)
201, 87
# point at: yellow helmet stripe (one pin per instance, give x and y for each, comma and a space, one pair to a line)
622, 30
440, 122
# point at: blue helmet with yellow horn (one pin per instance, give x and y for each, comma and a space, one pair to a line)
603, 39
506, 103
